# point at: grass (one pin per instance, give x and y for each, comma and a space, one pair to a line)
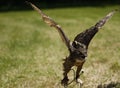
31, 53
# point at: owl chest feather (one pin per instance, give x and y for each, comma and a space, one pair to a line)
78, 62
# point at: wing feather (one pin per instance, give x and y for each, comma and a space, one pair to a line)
86, 36
52, 23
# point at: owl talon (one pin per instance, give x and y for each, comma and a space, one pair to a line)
79, 81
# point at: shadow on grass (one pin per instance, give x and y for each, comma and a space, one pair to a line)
110, 85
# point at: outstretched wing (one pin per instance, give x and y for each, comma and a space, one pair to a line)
52, 23
86, 36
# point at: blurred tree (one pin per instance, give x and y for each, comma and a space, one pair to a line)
20, 4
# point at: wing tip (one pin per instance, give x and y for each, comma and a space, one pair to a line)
27, 2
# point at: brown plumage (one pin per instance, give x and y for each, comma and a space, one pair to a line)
78, 48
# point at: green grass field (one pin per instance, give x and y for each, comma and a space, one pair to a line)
31, 52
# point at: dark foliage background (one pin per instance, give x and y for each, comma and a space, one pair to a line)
6, 5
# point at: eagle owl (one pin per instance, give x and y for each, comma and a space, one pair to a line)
78, 47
